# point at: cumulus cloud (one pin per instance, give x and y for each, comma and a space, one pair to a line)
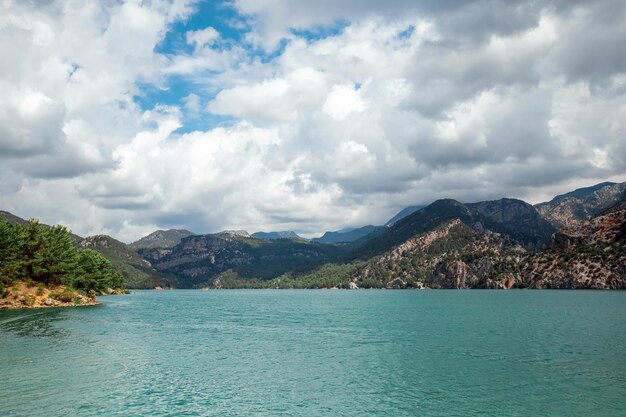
322, 115
202, 37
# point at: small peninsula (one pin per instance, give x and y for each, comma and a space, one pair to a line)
41, 266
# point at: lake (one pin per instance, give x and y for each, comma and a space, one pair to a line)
319, 353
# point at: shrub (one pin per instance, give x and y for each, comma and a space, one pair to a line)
3, 291
41, 289
29, 300
63, 296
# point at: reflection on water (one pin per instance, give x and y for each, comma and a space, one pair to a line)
33, 323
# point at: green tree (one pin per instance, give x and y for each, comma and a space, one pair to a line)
96, 272
12, 242
60, 257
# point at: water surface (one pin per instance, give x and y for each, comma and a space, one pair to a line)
319, 353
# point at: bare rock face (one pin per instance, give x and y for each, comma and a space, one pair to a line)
396, 284
452, 274
98, 241
353, 286
505, 283
562, 241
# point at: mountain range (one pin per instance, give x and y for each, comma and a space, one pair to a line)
576, 240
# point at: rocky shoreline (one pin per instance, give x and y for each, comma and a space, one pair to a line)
22, 295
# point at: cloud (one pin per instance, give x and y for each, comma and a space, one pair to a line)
364, 107
203, 37
342, 101
192, 103
30, 123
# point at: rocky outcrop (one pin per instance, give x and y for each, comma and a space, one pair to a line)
563, 242
453, 274
582, 204
505, 283
396, 284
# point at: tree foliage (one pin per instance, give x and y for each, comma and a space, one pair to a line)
48, 255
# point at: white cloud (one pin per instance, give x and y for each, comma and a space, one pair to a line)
192, 103
202, 37
342, 101
407, 103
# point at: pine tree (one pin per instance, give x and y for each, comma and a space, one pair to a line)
12, 242
96, 272
60, 257
32, 261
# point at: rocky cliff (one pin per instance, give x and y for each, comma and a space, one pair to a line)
582, 204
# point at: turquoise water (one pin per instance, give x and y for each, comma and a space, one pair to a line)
319, 353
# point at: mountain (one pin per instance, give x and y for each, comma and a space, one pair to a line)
196, 260
582, 204
451, 255
348, 235
448, 244
12, 218
137, 272
276, 235
514, 218
420, 221
161, 239
591, 254
587, 254
402, 214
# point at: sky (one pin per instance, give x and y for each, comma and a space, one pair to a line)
126, 117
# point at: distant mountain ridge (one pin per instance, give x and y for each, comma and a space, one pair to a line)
197, 259
402, 214
12, 218
348, 235
161, 239
287, 234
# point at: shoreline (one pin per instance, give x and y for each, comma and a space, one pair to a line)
30, 295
